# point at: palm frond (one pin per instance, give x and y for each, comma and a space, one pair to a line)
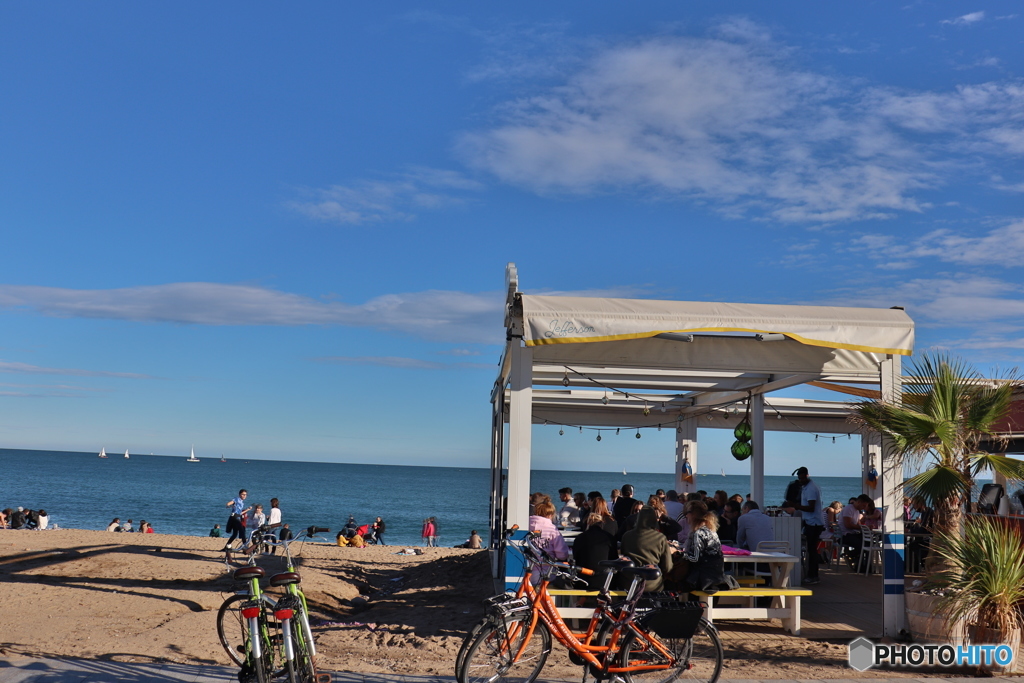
992, 462
938, 483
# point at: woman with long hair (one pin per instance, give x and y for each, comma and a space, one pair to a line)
599, 506
703, 550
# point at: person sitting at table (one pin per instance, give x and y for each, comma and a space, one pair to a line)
705, 564
543, 521
919, 533
666, 524
592, 547
646, 545
849, 526
872, 517
598, 506
727, 519
753, 526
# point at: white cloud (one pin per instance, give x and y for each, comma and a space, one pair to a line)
730, 120
394, 199
965, 20
383, 361
25, 368
1002, 246
437, 315
441, 315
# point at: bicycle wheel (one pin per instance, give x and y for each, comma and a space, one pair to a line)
301, 668
232, 628
490, 657
696, 659
467, 642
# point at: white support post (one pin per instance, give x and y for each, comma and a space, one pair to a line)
686, 450
520, 426
891, 486
757, 443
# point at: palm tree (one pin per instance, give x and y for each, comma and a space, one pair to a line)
945, 411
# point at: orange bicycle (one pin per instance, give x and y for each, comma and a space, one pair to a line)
642, 638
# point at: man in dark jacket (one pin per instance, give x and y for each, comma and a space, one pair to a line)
646, 545
624, 505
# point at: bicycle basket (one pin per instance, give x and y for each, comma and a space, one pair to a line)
674, 619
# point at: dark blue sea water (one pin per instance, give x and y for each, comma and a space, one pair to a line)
82, 491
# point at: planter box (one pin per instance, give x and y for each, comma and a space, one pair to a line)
927, 625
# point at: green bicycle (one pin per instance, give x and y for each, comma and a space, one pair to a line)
269, 638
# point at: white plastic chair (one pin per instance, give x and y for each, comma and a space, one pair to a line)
871, 545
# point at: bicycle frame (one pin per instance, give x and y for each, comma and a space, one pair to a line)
619, 616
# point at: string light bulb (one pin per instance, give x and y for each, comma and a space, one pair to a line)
565, 380
638, 433
663, 406
647, 409
581, 430
605, 399
561, 432
815, 437
659, 428
617, 430
598, 434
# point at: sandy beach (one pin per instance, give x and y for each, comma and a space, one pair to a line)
154, 597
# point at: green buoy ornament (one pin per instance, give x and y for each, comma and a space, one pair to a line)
743, 432
741, 450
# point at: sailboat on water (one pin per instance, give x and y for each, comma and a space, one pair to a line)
126, 454
223, 459
103, 452
192, 458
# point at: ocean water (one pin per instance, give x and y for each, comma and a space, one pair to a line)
82, 491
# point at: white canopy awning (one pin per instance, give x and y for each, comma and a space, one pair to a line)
567, 320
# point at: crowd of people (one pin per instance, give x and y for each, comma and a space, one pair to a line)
682, 535
21, 518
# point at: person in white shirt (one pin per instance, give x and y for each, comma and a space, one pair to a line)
569, 515
753, 526
44, 520
274, 521
814, 520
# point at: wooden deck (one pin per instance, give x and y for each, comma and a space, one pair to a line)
844, 605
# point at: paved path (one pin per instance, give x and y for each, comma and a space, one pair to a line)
27, 669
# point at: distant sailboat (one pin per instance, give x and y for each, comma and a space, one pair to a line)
623, 472
192, 458
223, 459
723, 471
103, 452
126, 454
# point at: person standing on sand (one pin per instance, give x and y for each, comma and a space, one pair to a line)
235, 526
378, 530
428, 532
274, 521
437, 532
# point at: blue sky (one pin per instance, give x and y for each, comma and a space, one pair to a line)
281, 232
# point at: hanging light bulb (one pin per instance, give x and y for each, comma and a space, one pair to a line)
561, 432
663, 406
833, 439
581, 430
565, 380
679, 429
815, 437
617, 430
778, 416
605, 399
849, 436
659, 428
638, 433
599, 435
647, 409
710, 417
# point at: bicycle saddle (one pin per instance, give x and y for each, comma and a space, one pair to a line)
615, 565
284, 579
645, 573
247, 573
